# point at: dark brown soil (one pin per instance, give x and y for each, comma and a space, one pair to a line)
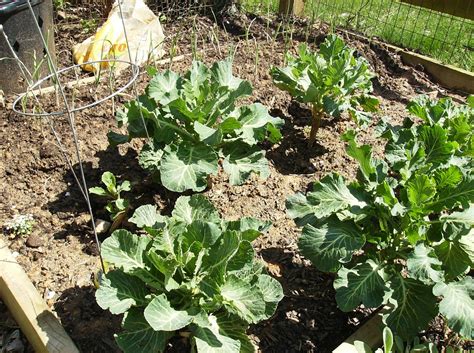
37, 180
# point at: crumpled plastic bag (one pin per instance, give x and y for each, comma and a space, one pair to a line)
144, 33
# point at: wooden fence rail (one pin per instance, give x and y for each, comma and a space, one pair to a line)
459, 8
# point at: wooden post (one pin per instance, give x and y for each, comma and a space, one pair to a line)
42, 329
291, 7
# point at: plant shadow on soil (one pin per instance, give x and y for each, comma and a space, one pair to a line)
90, 327
124, 167
293, 155
307, 317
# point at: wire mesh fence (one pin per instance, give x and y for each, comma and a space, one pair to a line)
440, 35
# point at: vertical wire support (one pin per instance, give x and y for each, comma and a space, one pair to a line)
134, 85
73, 130
28, 79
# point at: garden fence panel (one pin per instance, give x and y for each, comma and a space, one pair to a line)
419, 25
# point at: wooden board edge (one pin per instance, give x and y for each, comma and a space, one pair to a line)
42, 329
370, 332
448, 76
91, 79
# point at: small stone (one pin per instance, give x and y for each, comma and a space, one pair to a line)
34, 241
101, 226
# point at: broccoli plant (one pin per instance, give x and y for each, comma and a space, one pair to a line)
191, 274
331, 81
116, 206
456, 120
401, 234
193, 122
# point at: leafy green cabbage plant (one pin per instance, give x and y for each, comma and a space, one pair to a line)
192, 274
332, 80
402, 233
193, 123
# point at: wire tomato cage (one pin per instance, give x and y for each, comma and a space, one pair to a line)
68, 110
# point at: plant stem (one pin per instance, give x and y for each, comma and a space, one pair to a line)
316, 114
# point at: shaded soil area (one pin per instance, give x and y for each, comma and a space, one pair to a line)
60, 255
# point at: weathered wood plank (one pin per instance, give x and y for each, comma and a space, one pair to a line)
370, 333
291, 7
42, 329
447, 75
459, 8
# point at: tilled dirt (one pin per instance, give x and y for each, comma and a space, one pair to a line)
62, 256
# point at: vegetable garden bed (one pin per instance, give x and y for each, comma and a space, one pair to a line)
60, 256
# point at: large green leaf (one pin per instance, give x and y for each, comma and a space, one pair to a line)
437, 148
147, 216
465, 217
251, 228
420, 190
365, 283
415, 306
362, 154
139, 337
454, 259
457, 305
223, 250
329, 195
187, 165
125, 250
241, 299
448, 198
272, 293
203, 232
162, 317
423, 265
191, 208
163, 87
222, 72
254, 120
118, 292
448, 178
150, 156
240, 160
236, 328
331, 243
211, 339
243, 258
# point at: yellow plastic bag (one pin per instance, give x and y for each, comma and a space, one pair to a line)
144, 33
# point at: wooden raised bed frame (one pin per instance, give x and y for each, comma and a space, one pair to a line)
42, 329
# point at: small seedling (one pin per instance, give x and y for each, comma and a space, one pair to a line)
20, 225
117, 206
89, 25
395, 344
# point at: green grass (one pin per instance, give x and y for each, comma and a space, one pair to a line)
444, 37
